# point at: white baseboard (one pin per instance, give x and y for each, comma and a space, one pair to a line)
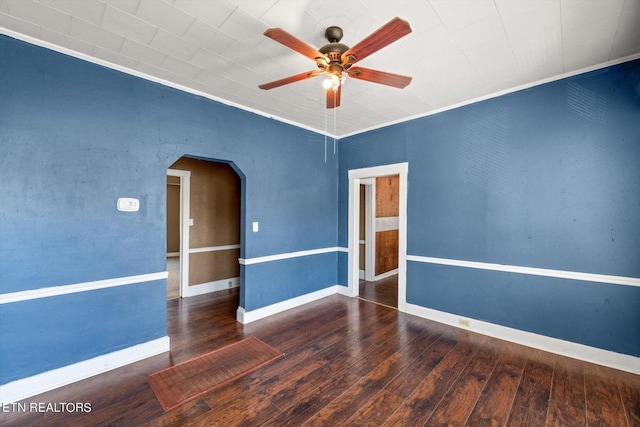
245, 317
342, 290
361, 275
40, 383
205, 288
599, 356
173, 254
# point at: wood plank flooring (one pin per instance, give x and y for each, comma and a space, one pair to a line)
349, 362
384, 291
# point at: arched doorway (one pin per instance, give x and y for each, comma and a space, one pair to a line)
208, 227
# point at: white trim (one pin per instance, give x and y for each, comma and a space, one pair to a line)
278, 257
213, 249
387, 223
369, 228
562, 274
245, 317
385, 274
185, 213
173, 254
215, 286
554, 345
53, 291
40, 383
355, 178
362, 275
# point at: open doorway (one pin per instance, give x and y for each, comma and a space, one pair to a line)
207, 231
389, 226
379, 235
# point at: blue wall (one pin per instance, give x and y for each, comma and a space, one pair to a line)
75, 136
546, 177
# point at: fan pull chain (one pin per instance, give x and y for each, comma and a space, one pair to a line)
325, 135
335, 97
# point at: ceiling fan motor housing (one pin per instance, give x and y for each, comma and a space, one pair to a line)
334, 49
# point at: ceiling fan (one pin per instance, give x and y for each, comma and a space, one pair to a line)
336, 60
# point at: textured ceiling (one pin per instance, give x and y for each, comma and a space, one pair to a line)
459, 50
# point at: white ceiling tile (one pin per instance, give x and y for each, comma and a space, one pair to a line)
114, 57
154, 71
181, 68
95, 35
293, 18
208, 37
479, 32
539, 16
510, 9
142, 53
20, 26
207, 60
61, 39
238, 53
627, 39
596, 35
589, 13
501, 82
420, 15
41, 15
324, 10
254, 8
128, 6
87, 10
490, 51
498, 68
574, 61
435, 39
242, 26
535, 49
164, 15
128, 25
243, 76
458, 14
212, 13
172, 45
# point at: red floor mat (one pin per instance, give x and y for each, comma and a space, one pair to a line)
183, 382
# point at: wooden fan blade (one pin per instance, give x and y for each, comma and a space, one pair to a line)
290, 79
382, 77
333, 97
292, 42
383, 36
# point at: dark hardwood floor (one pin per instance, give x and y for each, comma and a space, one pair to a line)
383, 291
350, 362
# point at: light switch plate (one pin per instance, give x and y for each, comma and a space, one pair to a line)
256, 226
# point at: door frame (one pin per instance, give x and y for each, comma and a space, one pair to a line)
185, 223
370, 228
356, 176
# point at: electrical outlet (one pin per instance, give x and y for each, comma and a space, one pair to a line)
230, 283
464, 322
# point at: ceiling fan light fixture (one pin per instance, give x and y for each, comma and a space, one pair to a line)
333, 81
